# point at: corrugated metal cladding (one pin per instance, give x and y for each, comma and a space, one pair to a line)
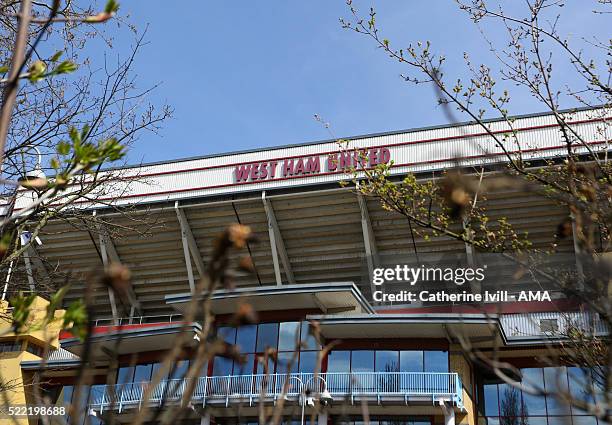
321, 230
527, 326
416, 151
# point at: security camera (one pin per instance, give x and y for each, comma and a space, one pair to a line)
326, 398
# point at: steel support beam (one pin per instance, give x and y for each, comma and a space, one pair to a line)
29, 271
32, 260
109, 254
187, 254
369, 241
277, 244
187, 235
111, 293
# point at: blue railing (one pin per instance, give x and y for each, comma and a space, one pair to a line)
405, 387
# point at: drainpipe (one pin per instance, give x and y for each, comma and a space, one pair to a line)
449, 413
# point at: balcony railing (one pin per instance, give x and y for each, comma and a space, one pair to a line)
399, 387
138, 320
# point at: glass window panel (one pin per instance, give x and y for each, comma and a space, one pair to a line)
97, 393
411, 361
67, 394
245, 338
362, 361
436, 361
288, 335
585, 420
125, 374
543, 421
579, 383
555, 379
510, 401
245, 368
339, 361
267, 336
492, 421
285, 360
204, 370
180, 370
387, 361
308, 361
227, 334
260, 366
222, 366
491, 400
155, 369
142, 372
309, 342
534, 405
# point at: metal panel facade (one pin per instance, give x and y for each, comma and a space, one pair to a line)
411, 151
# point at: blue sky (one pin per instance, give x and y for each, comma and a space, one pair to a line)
249, 74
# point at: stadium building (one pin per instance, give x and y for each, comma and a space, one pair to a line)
318, 246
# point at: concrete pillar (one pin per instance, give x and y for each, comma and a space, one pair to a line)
322, 418
449, 414
450, 418
205, 420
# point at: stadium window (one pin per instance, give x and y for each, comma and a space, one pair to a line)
362, 361
34, 349
288, 336
411, 361
491, 400
227, 334
222, 366
308, 361
534, 405
339, 361
125, 375
287, 363
9, 347
387, 361
142, 372
246, 338
155, 368
260, 365
435, 361
309, 342
267, 336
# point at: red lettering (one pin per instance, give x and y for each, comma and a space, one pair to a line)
263, 170
242, 172
273, 169
372, 157
313, 165
346, 160
360, 159
385, 156
288, 168
254, 171
299, 167
332, 162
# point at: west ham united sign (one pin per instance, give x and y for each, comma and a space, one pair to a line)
335, 162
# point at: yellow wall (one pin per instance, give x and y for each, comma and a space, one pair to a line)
11, 376
460, 365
